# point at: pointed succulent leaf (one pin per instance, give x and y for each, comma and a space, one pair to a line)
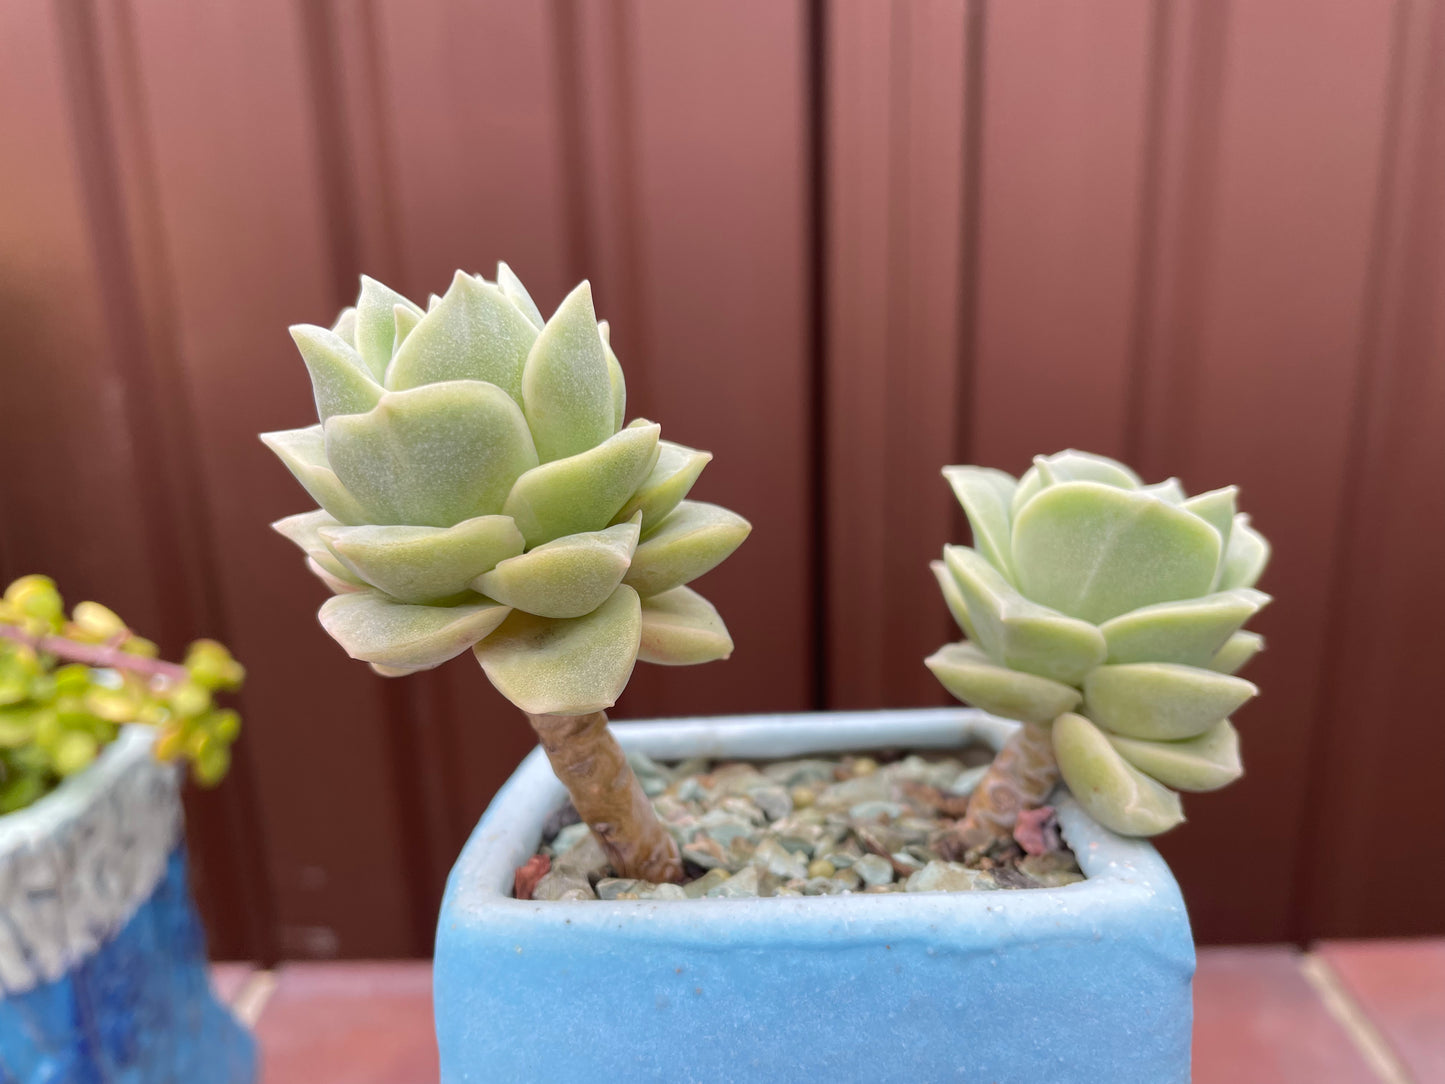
1169, 491
304, 530
1216, 508
512, 288
407, 317
680, 628
566, 392
1207, 762
569, 666
694, 539
1018, 633
1189, 631
1246, 557
1114, 792
985, 495
1237, 650
345, 325
953, 596
340, 380
376, 323
973, 677
567, 577
1093, 552
334, 583
373, 628
304, 453
671, 479
1031, 483
1161, 701
433, 455
617, 383
424, 564
472, 333
1072, 466
582, 492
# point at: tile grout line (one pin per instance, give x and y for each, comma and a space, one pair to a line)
251, 1001
1372, 1045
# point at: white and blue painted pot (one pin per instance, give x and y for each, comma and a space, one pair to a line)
1085, 984
103, 973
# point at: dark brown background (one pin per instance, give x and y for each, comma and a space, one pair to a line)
841, 244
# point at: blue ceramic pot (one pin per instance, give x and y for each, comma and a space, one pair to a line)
103, 975
1089, 983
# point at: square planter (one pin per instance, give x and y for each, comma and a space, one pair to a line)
1086, 983
103, 974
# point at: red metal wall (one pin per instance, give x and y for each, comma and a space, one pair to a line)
841, 243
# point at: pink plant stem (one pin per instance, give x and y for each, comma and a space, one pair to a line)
99, 655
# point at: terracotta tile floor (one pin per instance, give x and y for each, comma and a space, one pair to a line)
1346, 1013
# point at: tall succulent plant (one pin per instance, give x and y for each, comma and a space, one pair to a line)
479, 490
1106, 615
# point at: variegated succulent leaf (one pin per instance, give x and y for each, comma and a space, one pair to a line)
480, 490
1115, 611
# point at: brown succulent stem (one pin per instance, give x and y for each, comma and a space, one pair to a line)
1020, 777
104, 656
592, 766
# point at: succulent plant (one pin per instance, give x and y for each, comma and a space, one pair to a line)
479, 490
1107, 616
68, 685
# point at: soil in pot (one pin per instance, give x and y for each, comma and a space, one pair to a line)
805, 827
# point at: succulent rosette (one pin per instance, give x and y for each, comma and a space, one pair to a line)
478, 489
1111, 612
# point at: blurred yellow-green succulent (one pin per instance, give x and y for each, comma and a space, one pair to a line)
1111, 612
68, 685
479, 490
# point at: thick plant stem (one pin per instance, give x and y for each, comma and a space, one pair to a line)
594, 769
1020, 777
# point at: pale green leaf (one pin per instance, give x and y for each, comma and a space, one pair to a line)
567, 577
304, 530
1207, 762
432, 456
616, 382
376, 323
1169, 491
583, 492
671, 480
512, 288
566, 390
407, 317
1093, 552
1189, 631
1019, 633
565, 666
680, 628
345, 326
1072, 466
694, 539
1237, 650
336, 584
424, 564
375, 629
1111, 790
953, 597
1216, 508
340, 381
1246, 557
471, 333
985, 495
1161, 701
974, 678
304, 453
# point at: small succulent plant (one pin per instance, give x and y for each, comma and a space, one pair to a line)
1107, 616
68, 685
480, 490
